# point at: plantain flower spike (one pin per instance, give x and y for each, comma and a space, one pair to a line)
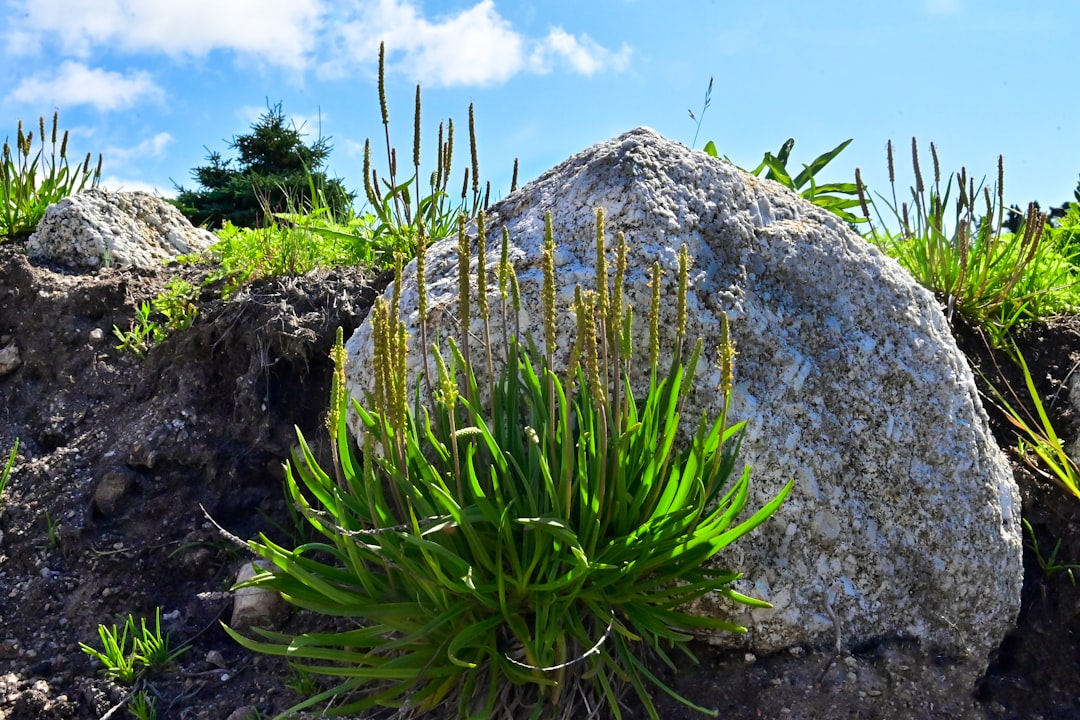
727, 357
684, 273
548, 262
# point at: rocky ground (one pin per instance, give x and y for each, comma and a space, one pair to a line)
121, 461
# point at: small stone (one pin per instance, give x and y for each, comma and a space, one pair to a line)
215, 658
749, 658
97, 335
9, 359
112, 487
255, 606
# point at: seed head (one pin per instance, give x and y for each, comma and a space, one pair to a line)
382, 84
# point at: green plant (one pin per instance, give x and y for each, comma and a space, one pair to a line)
1037, 435
154, 648
170, 311
996, 279
837, 198
399, 204
1064, 231
30, 182
52, 529
1049, 563
129, 653
301, 682
520, 551
5, 475
118, 655
142, 705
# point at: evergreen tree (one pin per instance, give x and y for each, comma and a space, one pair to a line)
271, 174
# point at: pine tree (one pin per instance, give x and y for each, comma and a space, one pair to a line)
270, 175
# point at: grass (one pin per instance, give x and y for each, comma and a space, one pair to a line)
5, 474
953, 241
1049, 564
1038, 443
31, 180
129, 652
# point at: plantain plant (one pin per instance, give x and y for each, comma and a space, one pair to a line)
527, 551
32, 181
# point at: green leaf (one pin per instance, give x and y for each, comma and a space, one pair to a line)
819, 164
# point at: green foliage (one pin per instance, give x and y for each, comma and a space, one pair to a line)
142, 705
1064, 232
137, 649
5, 475
32, 181
994, 278
275, 168
1036, 434
242, 255
173, 310
1049, 563
837, 198
52, 529
524, 551
118, 656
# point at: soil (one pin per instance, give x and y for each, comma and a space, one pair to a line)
122, 462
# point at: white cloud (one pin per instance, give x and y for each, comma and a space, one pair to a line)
472, 46
153, 147
475, 46
278, 32
76, 84
584, 55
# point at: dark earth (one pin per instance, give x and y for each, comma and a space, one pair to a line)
120, 457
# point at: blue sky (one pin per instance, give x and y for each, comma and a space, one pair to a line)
153, 84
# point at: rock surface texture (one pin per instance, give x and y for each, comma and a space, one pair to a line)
98, 228
905, 519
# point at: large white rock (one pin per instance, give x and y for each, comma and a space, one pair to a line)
97, 228
905, 519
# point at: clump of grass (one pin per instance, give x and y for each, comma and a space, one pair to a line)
522, 556
961, 250
126, 654
32, 181
171, 311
